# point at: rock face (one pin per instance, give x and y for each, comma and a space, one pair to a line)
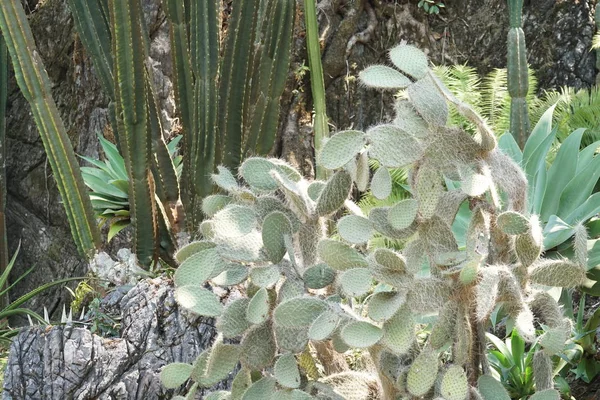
69, 362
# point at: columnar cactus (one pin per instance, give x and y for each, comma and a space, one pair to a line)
267, 237
518, 83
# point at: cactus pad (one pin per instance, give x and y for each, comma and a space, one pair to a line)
258, 347
422, 373
403, 213
232, 321
443, 331
175, 374
258, 308
428, 101
198, 268
275, 226
382, 77
383, 305
286, 371
234, 221
340, 256
260, 390
233, 274
409, 60
355, 229
548, 394
298, 312
561, 273
393, 147
198, 300
399, 332
381, 184
225, 180
454, 384
221, 361
334, 193
543, 371
512, 223
362, 172
214, 203
429, 189
191, 249
361, 334
356, 281
257, 173
323, 326
491, 389
291, 339
341, 148
318, 276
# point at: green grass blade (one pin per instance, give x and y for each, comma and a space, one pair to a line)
132, 109
35, 86
317, 83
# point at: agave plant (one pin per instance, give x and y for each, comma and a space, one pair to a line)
109, 183
267, 236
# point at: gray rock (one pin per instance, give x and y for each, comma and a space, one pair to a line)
69, 362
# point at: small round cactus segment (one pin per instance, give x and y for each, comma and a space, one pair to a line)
175, 374
198, 300
286, 371
382, 77
422, 373
454, 384
341, 148
409, 60
361, 334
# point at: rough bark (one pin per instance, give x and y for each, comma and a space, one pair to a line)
69, 362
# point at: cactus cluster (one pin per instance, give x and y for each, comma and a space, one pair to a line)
268, 235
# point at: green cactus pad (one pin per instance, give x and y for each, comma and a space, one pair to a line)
220, 395
390, 276
409, 60
222, 359
275, 226
491, 389
454, 384
298, 312
340, 256
258, 308
548, 394
408, 119
382, 77
286, 371
262, 389
225, 180
427, 294
314, 190
524, 324
323, 327
293, 193
380, 220
486, 292
462, 350
553, 340
350, 385
429, 190
233, 274
207, 229
428, 101
389, 259
267, 204
449, 204
580, 245
355, 229
381, 184
214, 203
341, 148
363, 172
175, 374
403, 214
561, 273
473, 183
356, 281
393, 147
443, 331
318, 276
291, 339
198, 268
258, 347
383, 305
543, 371
191, 249
546, 309
422, 373
241, 383
198, 300
256, 171
512, 223
399, 332
265, 276
294, 394
245, 249
469, 271
361, 334
232, 321
234, 221
334, 193
290, 288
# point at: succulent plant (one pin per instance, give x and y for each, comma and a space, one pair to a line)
267, 235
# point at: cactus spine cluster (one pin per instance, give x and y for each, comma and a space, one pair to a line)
518, 81
266, 235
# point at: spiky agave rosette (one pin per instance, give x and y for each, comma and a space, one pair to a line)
267, 235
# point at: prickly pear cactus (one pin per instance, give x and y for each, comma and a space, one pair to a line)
266, 234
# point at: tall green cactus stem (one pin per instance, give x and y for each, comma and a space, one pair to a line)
132, 111
34, 82
317, 83
518, 81
3, 99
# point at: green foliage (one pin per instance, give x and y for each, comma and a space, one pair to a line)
431, 6
306, 287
